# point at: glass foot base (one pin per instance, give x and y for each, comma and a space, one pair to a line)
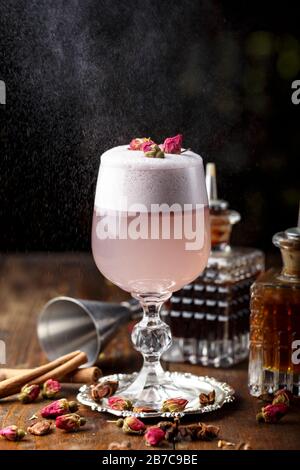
153, 395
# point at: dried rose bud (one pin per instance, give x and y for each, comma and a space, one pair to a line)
51, 388
58, 408
132, 425
12, 433
70, 422
29, 393
143, 409
152, 150
105, 389
154, 436
283, 396
207, 399
119, 403
174, 405
272, 413
40, 428
136, 144
173, 144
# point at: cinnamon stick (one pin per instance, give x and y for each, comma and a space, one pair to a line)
78, 376
61, 370
14, 384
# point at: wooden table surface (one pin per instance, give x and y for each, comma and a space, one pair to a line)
27, 282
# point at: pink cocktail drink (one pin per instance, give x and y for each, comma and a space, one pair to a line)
151, 236
144, 264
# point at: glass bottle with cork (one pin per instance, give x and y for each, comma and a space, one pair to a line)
275, 321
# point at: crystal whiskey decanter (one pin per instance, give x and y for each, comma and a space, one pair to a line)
275, 322
209, 318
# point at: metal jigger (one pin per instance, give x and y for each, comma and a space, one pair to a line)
66, 324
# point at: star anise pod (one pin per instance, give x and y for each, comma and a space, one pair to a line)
172, 431
165, 425
199, 432
207, 398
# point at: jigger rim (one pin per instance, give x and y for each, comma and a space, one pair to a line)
42, 325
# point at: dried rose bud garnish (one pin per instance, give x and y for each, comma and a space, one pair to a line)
40, 428
173, 144
154, 435
136, 144
119, 403
29, 393
272, 413
174, 405
143, 409
132, 425
51, 388
58, 408
283, 396
207, 399
152, 150
70, 422
105, 389
12, 433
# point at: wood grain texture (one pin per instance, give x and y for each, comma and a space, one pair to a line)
27, 282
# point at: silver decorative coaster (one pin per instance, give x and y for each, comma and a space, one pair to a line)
193, 383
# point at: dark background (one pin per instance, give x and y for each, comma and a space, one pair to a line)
85, 75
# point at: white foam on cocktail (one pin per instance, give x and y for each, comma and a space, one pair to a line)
147, 182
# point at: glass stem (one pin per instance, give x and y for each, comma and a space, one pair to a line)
151, 337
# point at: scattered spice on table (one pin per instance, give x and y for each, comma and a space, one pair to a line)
226, 445
222, 444
124, 445
199, 432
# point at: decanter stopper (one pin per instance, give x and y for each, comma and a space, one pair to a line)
221, 218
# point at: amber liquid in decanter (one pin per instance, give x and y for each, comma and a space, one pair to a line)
275, 322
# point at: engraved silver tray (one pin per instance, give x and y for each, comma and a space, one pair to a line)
198, 384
